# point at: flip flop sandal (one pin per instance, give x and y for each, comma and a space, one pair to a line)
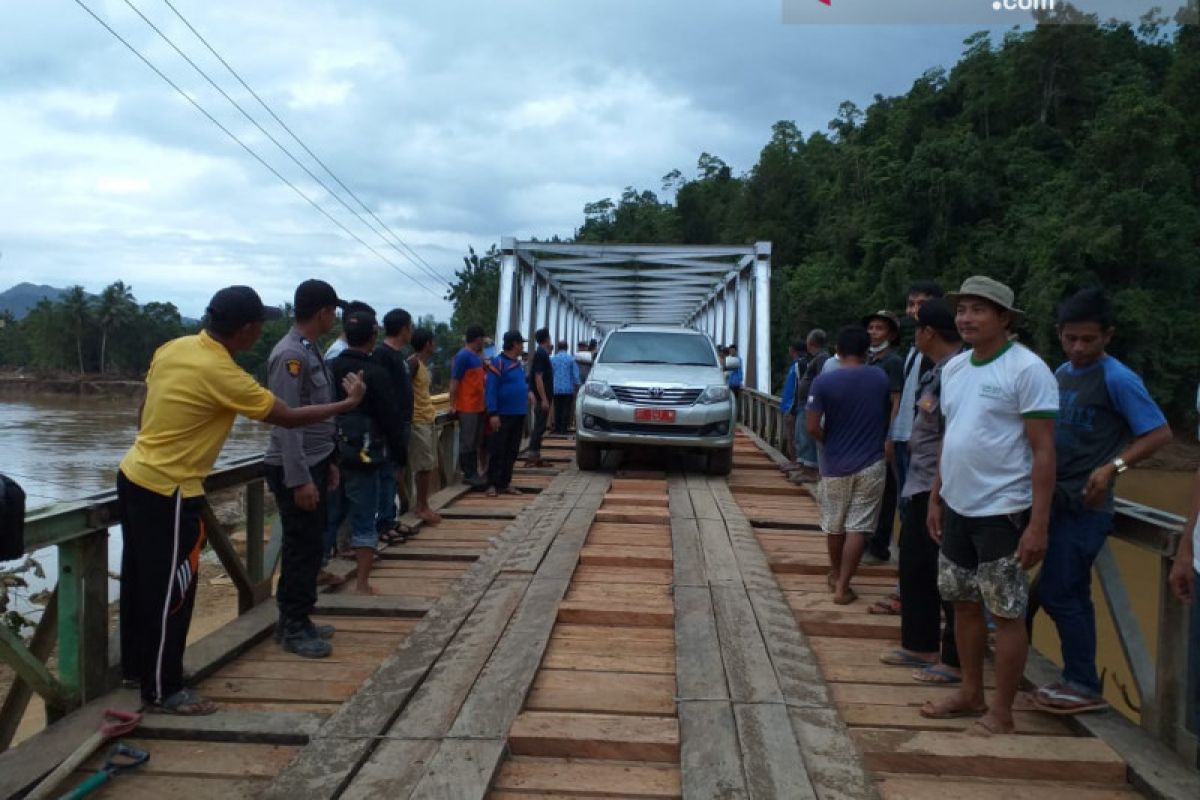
393, 536
930, 711
899, 657
938, 676
846, 599
1060, 700
512, 490
888, 607
195, 705
491, 492
984, 731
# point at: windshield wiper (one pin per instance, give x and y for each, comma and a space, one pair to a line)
694, 364
645, 361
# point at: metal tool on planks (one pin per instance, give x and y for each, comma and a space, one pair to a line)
114, 723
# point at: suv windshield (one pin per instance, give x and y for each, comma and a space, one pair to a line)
679, 349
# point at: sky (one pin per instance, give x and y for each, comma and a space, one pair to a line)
455, 122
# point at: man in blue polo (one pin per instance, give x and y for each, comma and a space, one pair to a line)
507, 397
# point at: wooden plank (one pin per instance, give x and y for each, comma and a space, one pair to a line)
496, 698
1025, 757
835, 766
904, 787
639, 500
416, 551
394, 769
593, 574
134, 786
602, 692
859, 625
612, 661
258, 727
321, 768
685, 552
634, 538
628, 514
710, 760
615, 633
613, 612
433, 707
720, 564
204, 657
863, 715
372, 605
770, 756
200, 759
625, 556
748, 668
460, 769
609, 779
600, 736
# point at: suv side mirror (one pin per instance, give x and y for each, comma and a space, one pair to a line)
583, 357
732, 363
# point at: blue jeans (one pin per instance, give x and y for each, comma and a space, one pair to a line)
362, 500
1065, 590
806, 448
385, 513
335, 513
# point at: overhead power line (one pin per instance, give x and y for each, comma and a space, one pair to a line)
300, 141
245, 146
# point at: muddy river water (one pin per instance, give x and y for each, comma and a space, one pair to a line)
66, 447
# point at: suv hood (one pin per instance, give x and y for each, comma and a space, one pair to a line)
665, 375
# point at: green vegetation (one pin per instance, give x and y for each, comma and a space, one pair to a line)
1056, 158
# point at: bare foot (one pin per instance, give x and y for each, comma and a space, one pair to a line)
429, 516
954, 706
359, 589
845, 598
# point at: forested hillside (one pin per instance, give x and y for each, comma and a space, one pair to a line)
1052, 159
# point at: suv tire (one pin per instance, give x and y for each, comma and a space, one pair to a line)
720, 462
587, 456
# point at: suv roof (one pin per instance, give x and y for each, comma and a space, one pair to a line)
656, 328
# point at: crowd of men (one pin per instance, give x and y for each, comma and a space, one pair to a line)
994, 463
349, 423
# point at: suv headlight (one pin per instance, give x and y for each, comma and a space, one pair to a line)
714, 394
600, 390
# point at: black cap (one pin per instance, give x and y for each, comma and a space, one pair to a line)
313, 295
511, 338
359, 323
937, 314
239, 305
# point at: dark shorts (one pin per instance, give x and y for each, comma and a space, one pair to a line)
978, 562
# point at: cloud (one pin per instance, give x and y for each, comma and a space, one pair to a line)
456, 123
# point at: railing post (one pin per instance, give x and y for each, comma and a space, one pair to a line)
83, 615
1169, 704
448, 452
255, 504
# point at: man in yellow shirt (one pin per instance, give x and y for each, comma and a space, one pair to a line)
422, 444
194, 391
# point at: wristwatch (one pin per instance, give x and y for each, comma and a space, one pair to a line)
1119, 465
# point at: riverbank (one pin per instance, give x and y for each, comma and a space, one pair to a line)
28, 385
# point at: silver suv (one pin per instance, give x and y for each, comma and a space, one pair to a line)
656, 385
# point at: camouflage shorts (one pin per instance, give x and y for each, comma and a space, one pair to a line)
978, 562
1001, 585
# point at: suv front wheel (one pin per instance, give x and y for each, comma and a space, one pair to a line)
587, 456
720, 462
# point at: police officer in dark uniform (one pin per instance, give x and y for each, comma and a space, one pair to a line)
301, 467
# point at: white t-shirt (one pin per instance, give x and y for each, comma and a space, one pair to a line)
987, 462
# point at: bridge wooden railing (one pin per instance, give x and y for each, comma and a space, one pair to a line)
76, 616
1160, 680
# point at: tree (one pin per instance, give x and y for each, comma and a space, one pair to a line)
78, 312
475, 292
115, 310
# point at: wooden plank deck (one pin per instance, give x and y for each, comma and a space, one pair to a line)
639, 634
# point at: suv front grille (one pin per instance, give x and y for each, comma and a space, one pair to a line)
648, 396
